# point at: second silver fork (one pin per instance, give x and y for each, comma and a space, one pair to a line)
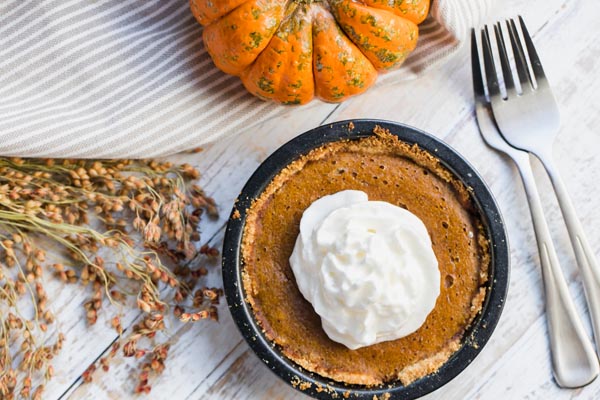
530, 120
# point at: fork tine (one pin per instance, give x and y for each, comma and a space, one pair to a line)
476, 68
506, 72
520, 59
536, 64
488, 61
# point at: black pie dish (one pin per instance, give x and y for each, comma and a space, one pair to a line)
476, 336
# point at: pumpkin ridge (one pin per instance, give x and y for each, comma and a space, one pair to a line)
382, 36
283, 72
414, 10
339, 68
234, 45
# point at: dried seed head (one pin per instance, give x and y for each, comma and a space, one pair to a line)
154, 201
87, 374
130, 348
140, 353
144, 306
185, 317
92, 316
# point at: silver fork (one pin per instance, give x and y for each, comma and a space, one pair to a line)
574, 362
530, 121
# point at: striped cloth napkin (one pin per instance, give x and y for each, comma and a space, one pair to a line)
131, 78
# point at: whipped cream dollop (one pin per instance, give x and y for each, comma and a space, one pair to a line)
367, 268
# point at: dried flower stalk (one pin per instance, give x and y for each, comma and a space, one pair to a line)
121, 225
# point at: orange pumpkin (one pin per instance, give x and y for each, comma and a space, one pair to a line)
291, 50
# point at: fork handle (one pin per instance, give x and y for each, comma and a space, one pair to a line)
588, 264
573, 359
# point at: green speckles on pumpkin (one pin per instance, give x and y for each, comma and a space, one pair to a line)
295, 101
368, 20
337, 93
307, 2
395, 3
360, 40
297, 85
319, 63
343, 57
298, 21
355, 36
233, 27
319, 66
266, 85
305, 60
256, 40
356, 81
383, 34
386, 56
255, 13
349, 10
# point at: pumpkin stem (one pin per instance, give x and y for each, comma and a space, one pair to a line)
307, 2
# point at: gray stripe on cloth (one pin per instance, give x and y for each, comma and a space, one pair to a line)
130, 78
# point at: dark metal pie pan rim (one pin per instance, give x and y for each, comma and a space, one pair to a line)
476, 336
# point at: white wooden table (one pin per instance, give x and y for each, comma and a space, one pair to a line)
211, 361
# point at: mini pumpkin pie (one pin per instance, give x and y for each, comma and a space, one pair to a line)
388, 170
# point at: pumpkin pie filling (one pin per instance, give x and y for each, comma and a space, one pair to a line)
386, 169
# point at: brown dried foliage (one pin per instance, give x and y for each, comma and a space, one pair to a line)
145, 217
